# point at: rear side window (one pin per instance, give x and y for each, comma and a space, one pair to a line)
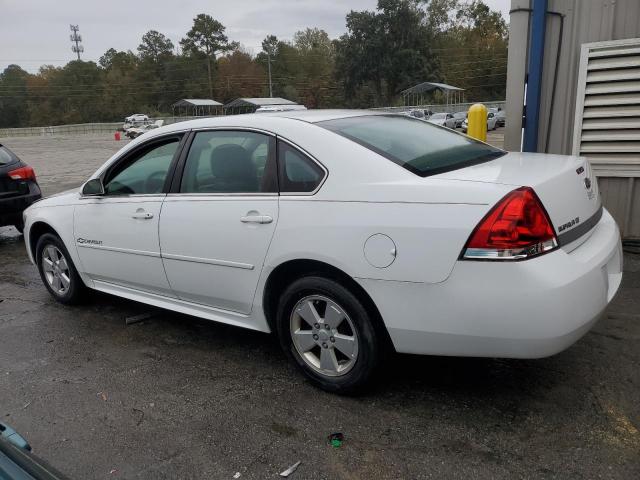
418, 146
5, 156
297, 172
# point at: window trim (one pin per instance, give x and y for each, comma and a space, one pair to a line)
180, 135
307, 155
13, 158
174, 190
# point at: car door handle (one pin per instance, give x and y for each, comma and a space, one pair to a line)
142, 215
256, 219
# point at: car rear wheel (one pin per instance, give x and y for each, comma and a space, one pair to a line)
328, 333
57, 270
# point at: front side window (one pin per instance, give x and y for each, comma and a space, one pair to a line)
144, 173
297, 172
420, 147
230, 162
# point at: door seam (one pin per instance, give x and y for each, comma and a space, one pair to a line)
164, 269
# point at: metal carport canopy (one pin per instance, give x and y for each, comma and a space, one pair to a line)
428, 86
196, 102
258, 102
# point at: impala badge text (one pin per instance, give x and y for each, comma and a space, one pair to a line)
87, 241
569, 224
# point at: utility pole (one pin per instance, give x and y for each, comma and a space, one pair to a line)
270, 85
76, 38
209, 75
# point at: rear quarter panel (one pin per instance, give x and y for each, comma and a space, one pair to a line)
429, 219
428, 237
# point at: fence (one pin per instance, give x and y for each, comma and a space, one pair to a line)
77, 129
85, 128
436, 108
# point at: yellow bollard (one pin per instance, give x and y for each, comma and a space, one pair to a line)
477, 122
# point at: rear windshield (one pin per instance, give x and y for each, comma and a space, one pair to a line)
420, 147
6, 157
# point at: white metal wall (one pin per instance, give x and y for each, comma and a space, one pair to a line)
607, 124
582, 21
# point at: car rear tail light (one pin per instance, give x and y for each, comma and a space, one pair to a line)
518, 227
23, 173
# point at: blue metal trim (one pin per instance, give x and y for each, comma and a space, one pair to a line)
534, 84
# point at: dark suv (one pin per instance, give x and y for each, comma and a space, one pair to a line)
18, 188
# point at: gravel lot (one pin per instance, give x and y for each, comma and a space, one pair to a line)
178, 397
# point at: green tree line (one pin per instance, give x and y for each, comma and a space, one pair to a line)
399, 44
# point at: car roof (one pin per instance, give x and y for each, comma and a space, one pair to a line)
313, 116
258, 119
253, 120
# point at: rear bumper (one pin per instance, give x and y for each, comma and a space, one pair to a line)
528, 309
11, 208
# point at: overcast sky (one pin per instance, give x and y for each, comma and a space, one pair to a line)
36, 32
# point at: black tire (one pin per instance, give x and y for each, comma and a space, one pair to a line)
76, 291
19, 227
369, 342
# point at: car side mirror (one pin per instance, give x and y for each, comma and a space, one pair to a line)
93, 187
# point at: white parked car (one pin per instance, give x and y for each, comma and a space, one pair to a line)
415, 113
137, 118
459, 117
443, 119
492, 122
279, 108
135, 132
346, 233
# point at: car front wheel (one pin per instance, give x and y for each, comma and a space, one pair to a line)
57, 270
328, 332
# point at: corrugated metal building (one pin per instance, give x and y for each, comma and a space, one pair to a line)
591, 107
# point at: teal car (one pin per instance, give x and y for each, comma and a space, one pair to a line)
18, 463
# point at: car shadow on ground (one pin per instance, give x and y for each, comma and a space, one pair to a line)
400, 374
230, 397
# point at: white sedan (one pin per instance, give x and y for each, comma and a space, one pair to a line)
492, 122
137, 118
347, 233
443, 119
135, 132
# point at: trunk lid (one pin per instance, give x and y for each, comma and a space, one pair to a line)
566, 186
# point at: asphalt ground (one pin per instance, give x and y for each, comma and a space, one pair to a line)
178, 397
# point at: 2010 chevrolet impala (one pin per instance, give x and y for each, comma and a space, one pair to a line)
346, 233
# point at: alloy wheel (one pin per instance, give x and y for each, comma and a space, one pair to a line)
56, 269
324, 335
